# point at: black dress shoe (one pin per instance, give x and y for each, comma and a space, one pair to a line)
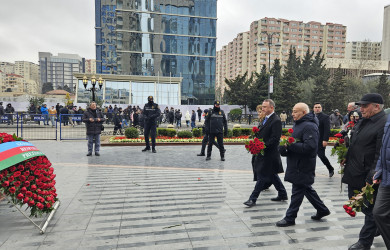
201, 154
320, 215
279, 198
358, 246
284, 223
250, 203
154, 150
89, 154
208, 158
97, 153
331, 173
222, 158
145, 149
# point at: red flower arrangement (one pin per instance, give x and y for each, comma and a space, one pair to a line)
29, 181
288, 140
255, 146
340, 149
360, 199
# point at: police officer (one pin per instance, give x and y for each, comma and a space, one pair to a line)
217, 125
206, 136
151, 113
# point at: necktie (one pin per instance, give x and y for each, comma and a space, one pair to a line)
265, 120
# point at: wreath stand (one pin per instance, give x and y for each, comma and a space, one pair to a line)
42, 227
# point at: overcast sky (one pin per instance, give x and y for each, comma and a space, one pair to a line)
58, 26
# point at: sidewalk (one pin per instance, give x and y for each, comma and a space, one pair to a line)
173, 200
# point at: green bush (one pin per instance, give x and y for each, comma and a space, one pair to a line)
236, 111
131, 132
230, 133
196, 132
241, 131
184, 134
166, 132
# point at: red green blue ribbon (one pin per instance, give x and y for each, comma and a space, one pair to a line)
14, 152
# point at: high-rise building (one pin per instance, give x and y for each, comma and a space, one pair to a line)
13, 83
30, 73
58, 70
90, 66
386, 34
7, 67
244, 54
163, 38
365, 50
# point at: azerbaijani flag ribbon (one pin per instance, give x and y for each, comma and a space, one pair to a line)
14, 152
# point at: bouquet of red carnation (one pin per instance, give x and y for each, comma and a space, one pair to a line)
356, 203
255, 146
255, 132
340, 149
287, 140
26, 175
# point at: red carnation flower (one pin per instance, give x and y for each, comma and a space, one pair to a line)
290, 130
26, 183
28, 193
23, 190
291, 140
338, 135
22, 178
17, 183
341, 140
31, 203
17, 173
11, 178
12, 169
33, 188
12, 190
5, 184
25, 200
26, 173
31, 178
20, 196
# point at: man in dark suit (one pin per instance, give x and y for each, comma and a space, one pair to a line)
301, 165
267, 167
324, 130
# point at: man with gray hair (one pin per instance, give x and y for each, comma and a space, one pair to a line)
301, 165
93, 119
362, 156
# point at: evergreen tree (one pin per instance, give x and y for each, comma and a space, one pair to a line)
289, 91
383, 88
259, 88
336, 91
317, 67
306, 66
238, 90
47, 86
321, 91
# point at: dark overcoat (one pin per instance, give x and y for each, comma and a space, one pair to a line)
364, 149
323, 127
301, 156
270, 163
95, 127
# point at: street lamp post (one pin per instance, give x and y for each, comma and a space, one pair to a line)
93, 88
269, 43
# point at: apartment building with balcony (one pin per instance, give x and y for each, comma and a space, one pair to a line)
363, 50
330, 38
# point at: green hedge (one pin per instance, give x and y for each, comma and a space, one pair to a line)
197, 132
184, 134
166, 132
237, 111
131, 132
241, 131
230, 133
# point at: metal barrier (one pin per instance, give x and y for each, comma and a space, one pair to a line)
9, 124
38, 127
72, 127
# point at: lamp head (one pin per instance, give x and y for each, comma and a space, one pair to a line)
93, 80
100, 81
85, 81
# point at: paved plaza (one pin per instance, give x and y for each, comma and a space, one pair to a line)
173, 200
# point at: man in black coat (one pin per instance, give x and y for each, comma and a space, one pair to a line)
362, 156
199, 111
206, 137
301, 165
324, 130
93, 119
266, 168
217, 125
150, 113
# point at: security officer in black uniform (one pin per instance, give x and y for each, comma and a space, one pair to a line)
151, 114
217, 125
206, 136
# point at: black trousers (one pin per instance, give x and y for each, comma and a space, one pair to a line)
205, 141
368, 231
382, 213
265, 181
298, 193
150, 129
324, 159
220, 143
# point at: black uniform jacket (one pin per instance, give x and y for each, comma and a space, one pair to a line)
151, 113
216, 122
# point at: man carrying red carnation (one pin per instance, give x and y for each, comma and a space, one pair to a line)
266, 167
362, 156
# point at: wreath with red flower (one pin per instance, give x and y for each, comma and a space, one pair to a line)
28, 182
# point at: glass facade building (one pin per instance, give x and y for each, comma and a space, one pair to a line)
164, 38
